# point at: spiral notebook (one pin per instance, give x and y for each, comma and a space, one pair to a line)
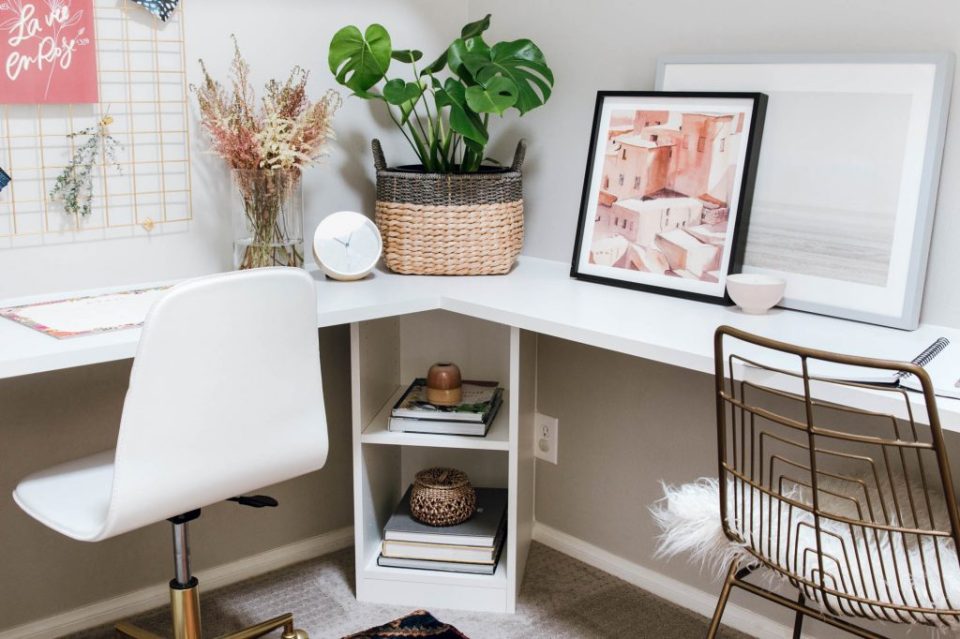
943, 372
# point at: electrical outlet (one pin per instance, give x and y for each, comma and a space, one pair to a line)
545, 438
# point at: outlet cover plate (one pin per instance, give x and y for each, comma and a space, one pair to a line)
546, 437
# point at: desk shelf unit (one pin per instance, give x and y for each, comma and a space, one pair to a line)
386, 355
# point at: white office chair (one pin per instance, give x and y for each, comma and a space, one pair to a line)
225, 397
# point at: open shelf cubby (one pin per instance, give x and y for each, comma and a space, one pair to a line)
386, 355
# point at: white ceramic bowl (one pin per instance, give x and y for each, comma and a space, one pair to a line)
755, 293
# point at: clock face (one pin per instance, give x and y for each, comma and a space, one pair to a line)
347, 245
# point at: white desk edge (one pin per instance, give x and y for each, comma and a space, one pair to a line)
538, 296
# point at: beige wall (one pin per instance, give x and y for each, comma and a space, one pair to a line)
614, 44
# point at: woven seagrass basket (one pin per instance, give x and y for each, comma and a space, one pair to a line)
450, 224
442, 497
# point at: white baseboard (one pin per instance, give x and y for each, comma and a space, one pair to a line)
677, 592
132, 603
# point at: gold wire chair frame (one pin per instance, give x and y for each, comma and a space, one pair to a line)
738, 436
121, 210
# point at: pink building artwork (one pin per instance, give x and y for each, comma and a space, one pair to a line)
665, 191
47, 52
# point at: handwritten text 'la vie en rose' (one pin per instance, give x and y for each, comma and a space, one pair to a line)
43, 37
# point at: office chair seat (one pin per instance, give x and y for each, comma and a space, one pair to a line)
72, 498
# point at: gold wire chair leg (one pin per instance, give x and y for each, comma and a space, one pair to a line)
284, 621
808, 611
722, 601
798, 620
124, 629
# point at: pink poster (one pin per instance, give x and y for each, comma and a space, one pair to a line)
47, 52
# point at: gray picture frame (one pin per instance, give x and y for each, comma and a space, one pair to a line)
904, 296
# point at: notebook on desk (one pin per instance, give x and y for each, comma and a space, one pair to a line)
940, 360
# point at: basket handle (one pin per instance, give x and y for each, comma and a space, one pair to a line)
379, 162
519, 155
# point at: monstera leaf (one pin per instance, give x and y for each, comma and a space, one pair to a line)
406, 55
463, 120
522, 62
469, 31
360, 60
404, 95
473, 29
466, 54
499, 94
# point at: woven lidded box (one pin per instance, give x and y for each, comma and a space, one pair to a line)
442, 497
450, 223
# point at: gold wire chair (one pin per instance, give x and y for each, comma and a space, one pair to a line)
853, 507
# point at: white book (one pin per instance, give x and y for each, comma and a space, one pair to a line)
405, 425
443, 552
444, 427
442, 566
480, 530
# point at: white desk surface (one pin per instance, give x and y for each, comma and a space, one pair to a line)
538, 296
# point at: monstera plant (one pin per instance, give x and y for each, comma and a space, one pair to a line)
445, 119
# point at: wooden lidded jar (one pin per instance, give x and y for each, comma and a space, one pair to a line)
444, 385
442, 497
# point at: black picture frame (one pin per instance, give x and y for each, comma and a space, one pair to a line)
734, 239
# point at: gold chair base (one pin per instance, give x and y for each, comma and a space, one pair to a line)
736, 578
185, 609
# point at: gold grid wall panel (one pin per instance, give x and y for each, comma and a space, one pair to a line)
143, 86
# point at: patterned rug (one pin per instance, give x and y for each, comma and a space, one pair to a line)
419, 623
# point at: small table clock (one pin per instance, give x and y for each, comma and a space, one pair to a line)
347, 245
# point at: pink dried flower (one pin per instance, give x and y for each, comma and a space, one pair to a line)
286, 131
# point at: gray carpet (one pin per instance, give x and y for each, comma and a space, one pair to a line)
561, 598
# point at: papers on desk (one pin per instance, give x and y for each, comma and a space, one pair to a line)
79, 316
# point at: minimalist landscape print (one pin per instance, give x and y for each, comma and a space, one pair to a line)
817, 209
665, 192
846, 183
47, 52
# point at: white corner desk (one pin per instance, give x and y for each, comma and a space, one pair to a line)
401, 324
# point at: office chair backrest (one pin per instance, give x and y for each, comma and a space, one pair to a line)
854, 506
225, 396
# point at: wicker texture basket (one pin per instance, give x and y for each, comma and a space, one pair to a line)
450, 224
442, 497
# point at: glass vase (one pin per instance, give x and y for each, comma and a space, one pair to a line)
268, 211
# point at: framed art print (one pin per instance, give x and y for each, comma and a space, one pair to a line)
667, 190
847, 178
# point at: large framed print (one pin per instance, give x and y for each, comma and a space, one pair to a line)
847, 178
667, 190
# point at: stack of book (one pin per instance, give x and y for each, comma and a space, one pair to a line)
471, 547
472, 416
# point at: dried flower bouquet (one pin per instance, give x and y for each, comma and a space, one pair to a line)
267, 143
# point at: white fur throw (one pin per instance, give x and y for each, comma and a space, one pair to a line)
888, 567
